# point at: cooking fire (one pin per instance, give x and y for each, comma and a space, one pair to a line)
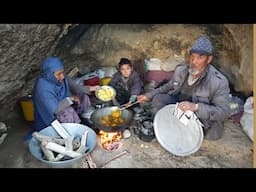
110, 140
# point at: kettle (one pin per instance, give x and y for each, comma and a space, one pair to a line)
146, 130
86, 117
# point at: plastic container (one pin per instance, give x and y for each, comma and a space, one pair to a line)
92, 80
236, 104
27, 107
152, 64
73, 129
105, 81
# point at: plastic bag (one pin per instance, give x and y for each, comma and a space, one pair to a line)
171, 63
106, 72
247, 118
235, 104
248, 106
152, 64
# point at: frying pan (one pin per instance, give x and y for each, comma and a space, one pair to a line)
97, 115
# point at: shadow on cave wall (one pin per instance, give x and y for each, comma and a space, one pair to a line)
91, 46
227, 55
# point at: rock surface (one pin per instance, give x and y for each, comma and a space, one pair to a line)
104, 45
25, 46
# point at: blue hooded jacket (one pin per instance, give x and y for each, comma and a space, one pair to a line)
47, 94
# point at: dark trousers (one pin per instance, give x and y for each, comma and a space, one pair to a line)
212, 129
122, 96
160, 100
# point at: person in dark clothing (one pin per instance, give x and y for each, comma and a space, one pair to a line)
126, 82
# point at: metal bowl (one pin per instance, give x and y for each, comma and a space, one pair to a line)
97, 115
73, 129
104, 88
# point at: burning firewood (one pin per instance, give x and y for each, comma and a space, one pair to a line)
110, 140
90, 161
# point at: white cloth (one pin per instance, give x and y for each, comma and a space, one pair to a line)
185, 116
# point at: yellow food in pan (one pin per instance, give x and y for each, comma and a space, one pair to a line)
114, 119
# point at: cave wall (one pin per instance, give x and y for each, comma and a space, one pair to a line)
104, 45
89, 46
240, 46
23, 48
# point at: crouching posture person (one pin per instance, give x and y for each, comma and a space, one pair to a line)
198, 87
126, 82
55, 96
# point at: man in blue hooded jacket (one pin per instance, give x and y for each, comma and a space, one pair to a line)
54, 95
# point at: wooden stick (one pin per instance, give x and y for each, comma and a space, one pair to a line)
115, 157
90, 161
122, 108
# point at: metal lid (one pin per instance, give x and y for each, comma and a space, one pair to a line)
174, 136
88, 113
108, 93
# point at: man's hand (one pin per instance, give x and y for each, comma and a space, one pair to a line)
185, 105
142, 98
132, 98
75, 99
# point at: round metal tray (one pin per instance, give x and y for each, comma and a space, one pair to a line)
174, 136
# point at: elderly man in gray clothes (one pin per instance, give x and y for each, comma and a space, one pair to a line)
199, 87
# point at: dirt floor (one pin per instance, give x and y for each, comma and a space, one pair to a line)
233, 150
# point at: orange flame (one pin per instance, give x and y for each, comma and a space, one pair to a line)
110, 140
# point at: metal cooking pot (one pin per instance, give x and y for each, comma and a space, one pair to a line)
97, 115
86, 117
